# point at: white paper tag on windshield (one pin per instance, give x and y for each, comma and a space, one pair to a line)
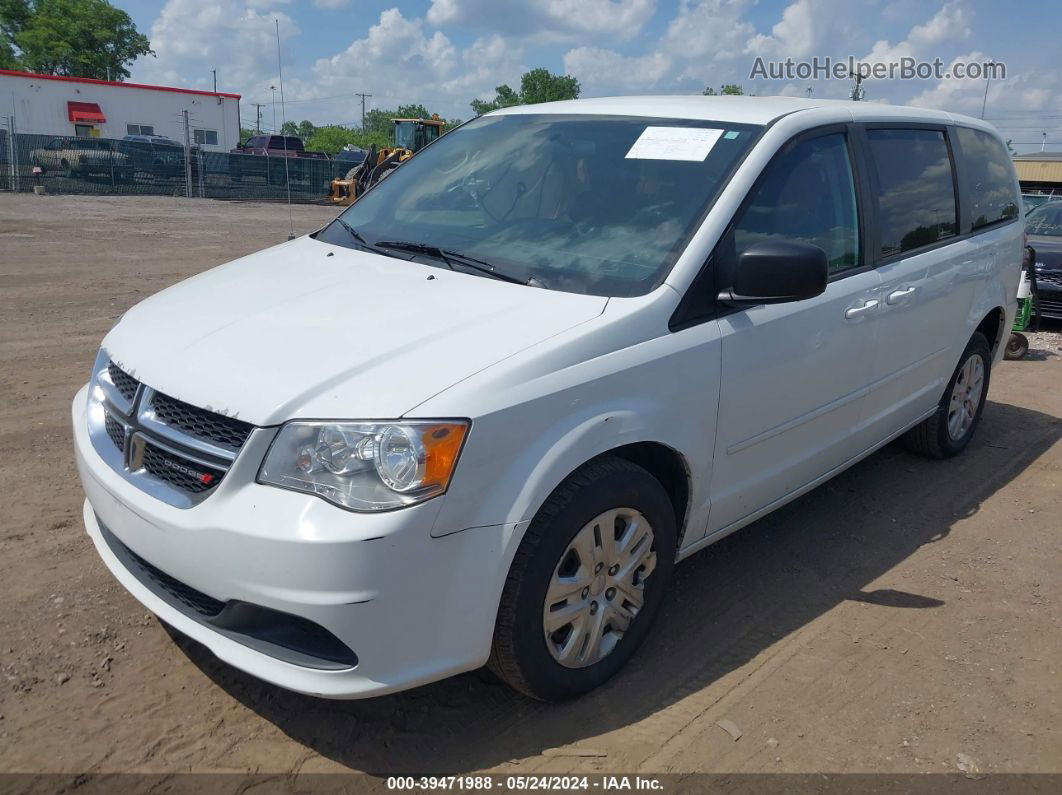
674, 143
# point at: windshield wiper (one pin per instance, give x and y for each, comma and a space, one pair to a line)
451, 258
361, 241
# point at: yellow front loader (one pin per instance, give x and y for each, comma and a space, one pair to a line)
408, 136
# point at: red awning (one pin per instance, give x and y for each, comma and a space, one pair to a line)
85, 112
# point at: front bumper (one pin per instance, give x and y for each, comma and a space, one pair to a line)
413, 608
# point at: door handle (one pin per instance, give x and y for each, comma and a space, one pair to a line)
858, 311
899, 296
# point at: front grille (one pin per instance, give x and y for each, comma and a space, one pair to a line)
123, 382
1051, 277
201, 423
178, 471
1049, 307
116, 431
173, 450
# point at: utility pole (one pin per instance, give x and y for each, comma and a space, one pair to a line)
258, 117
363, 98
215, 71
988, 82
187, 158
274, 90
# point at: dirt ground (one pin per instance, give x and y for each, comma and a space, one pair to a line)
902, 618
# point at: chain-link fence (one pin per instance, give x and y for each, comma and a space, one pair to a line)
120, 167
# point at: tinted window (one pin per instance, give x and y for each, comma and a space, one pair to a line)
1045, 220
589, 204
993, 195
806, 194
284, 142
916, 195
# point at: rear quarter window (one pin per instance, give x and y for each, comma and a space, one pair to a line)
992, 195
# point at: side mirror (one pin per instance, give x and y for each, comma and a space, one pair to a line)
778, 271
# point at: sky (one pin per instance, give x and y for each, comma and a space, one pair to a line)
444, 53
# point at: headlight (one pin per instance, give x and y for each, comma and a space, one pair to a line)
365, 466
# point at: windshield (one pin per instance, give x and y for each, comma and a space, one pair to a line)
1045, 220
405, 134
589, 204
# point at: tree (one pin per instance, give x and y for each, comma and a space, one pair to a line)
538, 85
8, 60
76, 38
306, 130
411, 112
378, 121
725, 90
289, 128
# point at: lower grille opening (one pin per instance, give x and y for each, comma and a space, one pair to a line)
287, 637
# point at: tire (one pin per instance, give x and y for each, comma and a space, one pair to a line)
66, 170
933, 437
521, 654
1017, 346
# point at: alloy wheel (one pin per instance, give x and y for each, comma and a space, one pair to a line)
966, 397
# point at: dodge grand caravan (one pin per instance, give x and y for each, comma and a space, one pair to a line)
478, 417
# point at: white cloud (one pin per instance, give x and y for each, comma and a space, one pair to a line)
190, 38
1028, 92
607, 70
547, 18
707, 28
949, 23
421, 66
701, 34
794, 35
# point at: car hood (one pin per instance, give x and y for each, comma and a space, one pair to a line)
311, 330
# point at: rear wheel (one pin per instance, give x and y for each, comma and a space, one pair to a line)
586, 582
952, 426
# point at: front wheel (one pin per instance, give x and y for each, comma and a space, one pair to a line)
952, 426
586, 582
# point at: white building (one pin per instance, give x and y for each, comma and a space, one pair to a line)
49, 105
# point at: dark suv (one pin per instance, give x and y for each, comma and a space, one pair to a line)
155, 156
1044, 227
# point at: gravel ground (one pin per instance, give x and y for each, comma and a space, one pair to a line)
903, 618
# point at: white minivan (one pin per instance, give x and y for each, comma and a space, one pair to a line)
478, 417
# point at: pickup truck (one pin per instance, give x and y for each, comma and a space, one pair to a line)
264, 159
